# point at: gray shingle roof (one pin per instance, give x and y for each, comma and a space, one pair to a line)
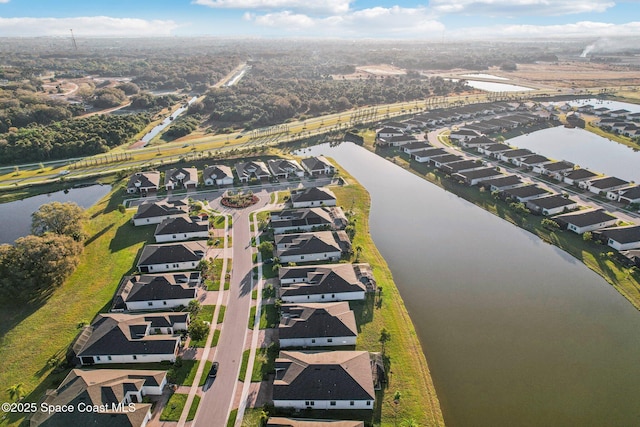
173, 253
319, 320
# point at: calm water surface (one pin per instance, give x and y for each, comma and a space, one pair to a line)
16, 216
516, 332
584, 148
496, 87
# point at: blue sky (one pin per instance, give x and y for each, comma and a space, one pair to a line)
387, 19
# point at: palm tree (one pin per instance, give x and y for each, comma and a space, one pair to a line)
384, 337
409, 422
16, 391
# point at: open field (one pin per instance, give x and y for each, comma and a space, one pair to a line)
31, 336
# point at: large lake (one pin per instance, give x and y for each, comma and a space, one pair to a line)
584, 148
16, 216
516, 332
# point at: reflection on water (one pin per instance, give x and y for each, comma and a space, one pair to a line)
516, 332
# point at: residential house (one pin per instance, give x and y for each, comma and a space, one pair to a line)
218, 174
632, 195
622, 238
397, 141
295, 422
416, 146
551, 205
480, 141
312, 197
328, 282
156, 291
181, 228
602, 185
285, 168
615, 193
463, 135
318, 166
493, 150
326, 380
144, 183
312, 247
601, 111
388, 132
247, 171
131, 338
575, 177
619, 114
460, 166
476, 176
317, 324
631, 257
156, 212
308, 219
440, 161
423, 156
111, 389
533, 160
524, 193
172, 256
181, 178
514, 155
586, 220
502, 183
549, 169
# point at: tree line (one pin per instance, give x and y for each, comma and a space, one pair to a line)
70, 138
35, 265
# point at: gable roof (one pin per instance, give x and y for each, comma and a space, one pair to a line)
320, 216
329, 375
623, 235
316, 163
252, 168
312, 243
98, 387
277, 166
479, 173
123, 334
535, 159
160, 208
608, 182
181, 225
171, 176
558, 166
551, 202
144, 180
586, 217
156, 287
493, 148
312, 194
325, 279
516, 152
525, 191
217, 172
173, 253
632, 193
503, 181
317, 320
580, 174
429, 152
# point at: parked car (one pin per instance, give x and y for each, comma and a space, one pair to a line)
213, 371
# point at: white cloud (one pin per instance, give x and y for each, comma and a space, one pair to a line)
84, 26
578, 29
310, 6
520, 7
4, 1
380, 22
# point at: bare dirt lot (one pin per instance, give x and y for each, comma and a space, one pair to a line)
378, 70
569, 74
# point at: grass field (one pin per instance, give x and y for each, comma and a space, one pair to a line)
30, 336
175, 406
410, 371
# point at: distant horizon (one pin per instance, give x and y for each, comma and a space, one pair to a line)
331, 19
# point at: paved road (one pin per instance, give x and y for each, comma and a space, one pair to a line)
218, 397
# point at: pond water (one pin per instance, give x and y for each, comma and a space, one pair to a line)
497, 87
16, 216
583, 148
516, 332
484, 76
166, 122
597, 103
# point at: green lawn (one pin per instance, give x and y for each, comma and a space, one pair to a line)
194, 408
232, 418
213, 279
187, 372
218, 222
216, 337
205, 314
244, 365
269, 316
174, 407
205, 372
221, 314
110, 252
264, 363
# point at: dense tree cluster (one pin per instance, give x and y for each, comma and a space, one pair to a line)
34, 265
108, 97
70, 138
260, 101
21, 105
183, 127
147, 101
